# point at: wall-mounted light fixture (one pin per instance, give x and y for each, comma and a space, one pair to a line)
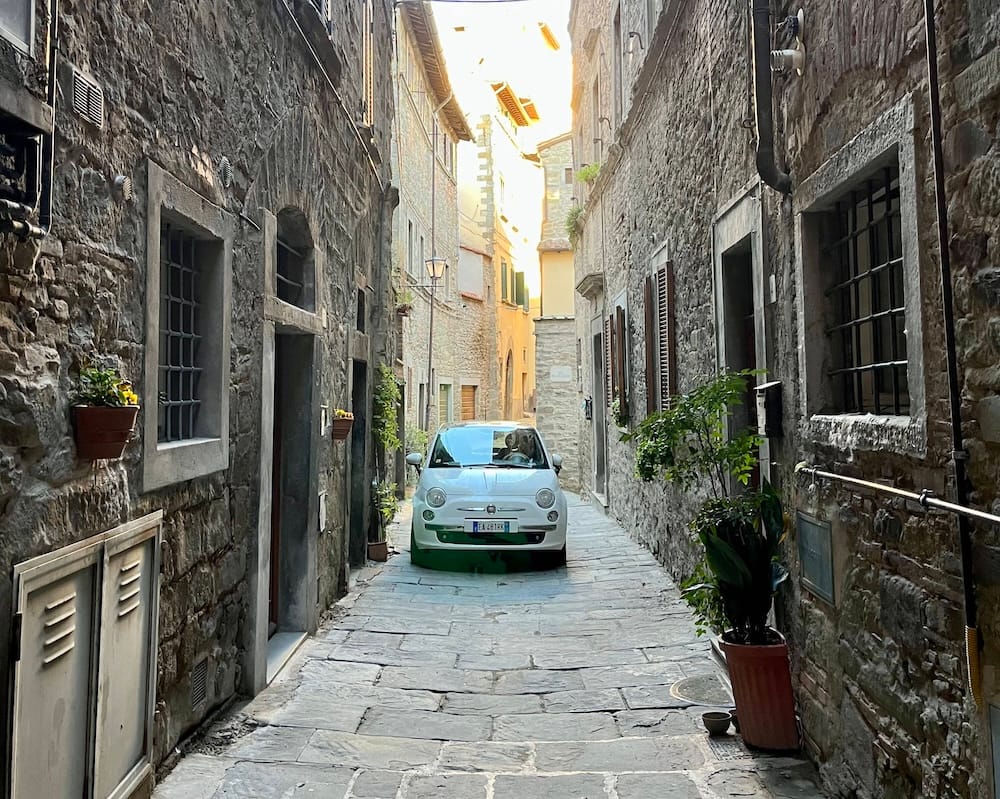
632, 36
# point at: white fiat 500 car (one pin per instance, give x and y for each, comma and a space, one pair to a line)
488, 486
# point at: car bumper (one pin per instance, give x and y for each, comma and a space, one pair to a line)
447, 531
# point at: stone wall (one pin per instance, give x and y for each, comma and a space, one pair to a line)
558, 394
185, 85
879, 673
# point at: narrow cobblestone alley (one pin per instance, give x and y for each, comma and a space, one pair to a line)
581, 682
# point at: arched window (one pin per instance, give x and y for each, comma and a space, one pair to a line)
296, 278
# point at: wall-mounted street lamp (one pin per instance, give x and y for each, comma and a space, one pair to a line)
435, 266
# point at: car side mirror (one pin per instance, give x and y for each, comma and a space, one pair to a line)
557, 463
415, 459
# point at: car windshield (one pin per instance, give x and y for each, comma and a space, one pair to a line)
488, 447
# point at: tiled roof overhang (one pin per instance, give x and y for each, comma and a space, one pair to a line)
421, 25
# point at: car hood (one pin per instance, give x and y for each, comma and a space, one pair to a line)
490, 482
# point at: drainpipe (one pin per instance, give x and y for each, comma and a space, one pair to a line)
766, 165
958, 454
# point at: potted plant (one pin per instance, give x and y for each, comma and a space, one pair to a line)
104, 414
740, 529
386, 505
342, 423
405, 304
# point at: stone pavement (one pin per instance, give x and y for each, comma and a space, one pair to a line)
577, 683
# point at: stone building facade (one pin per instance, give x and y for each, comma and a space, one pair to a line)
557, 384
215, 200
427, 226
501, 182
664, 102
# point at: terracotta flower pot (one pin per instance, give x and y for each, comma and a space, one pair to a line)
378, 551
762, 688
102, 433
341, 428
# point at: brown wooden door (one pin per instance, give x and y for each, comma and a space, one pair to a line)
468, 403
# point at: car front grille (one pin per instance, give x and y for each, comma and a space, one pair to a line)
486, 539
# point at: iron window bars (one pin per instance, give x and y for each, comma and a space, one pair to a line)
868, 333
180, 336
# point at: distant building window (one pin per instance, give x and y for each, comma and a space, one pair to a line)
862, 248
17, 20
409, 248
504, 288
444, 403
568, 175
368, 56
360, 322
294, 260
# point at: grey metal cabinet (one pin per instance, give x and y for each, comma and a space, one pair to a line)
85, 670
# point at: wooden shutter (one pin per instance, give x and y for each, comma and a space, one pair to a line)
503, 280
468, 403
621, 353
650, 344
666, 349
609, 349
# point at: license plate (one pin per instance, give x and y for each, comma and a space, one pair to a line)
490, 526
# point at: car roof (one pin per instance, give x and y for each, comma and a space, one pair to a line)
479, 423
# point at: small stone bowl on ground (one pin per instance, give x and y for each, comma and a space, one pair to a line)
716, 721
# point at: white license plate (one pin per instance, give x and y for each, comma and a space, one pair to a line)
490, 526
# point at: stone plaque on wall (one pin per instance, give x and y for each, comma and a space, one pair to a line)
815, 555
561, 374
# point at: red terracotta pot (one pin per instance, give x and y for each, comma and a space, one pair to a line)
762, 688
378, 551
341, 428
103, 432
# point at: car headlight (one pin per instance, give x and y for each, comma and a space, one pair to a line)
545, 498
436, 497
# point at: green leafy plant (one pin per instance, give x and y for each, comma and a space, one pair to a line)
686, 443
702, 595
386, 501
574, 224
384, 421
619, 413
588, 173
416, 439
740, 533
104, 387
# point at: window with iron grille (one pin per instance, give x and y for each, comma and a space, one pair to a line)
180, 335
862, 249
185, 394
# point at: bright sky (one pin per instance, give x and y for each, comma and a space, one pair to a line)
502, 42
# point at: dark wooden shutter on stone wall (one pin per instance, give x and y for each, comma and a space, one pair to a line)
649, 310
666, 343
620, 355
609, 371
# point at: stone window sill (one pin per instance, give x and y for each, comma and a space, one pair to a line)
906, 435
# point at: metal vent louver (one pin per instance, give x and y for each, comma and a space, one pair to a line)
88, 99
199, 684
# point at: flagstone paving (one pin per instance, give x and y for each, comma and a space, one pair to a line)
577, 683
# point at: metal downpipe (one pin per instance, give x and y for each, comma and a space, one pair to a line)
761, 35
958, 454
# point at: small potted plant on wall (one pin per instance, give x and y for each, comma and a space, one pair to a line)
405, 304
342, 423
104, 414
739, 529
